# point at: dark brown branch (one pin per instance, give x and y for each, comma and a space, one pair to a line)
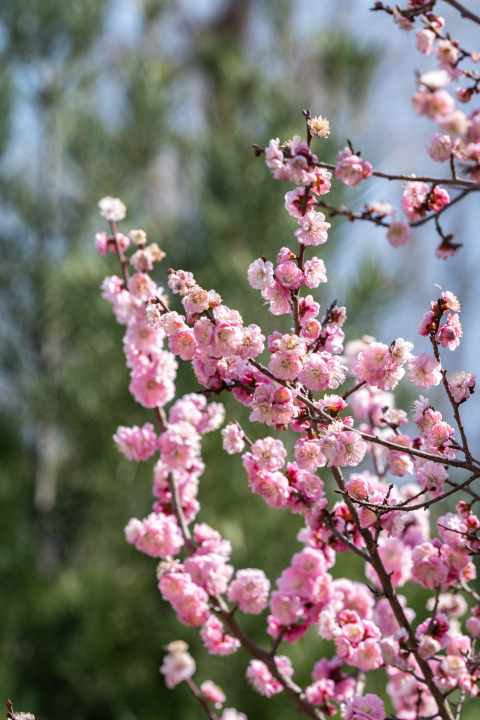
200, 698
121, 256
464, 12
386, 583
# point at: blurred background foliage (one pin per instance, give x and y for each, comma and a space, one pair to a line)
159, 106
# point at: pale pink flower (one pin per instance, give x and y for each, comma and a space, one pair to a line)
180, 282
400, 351
322, 371
425, 39
320, 692
449, 334
461, 385
183, 343
353, 448
273, 487
195, 301
292, 344
456, 124
447, 53
368, 655
136, 443
368, 707
213, 692
233, 441
313, 229
424, 371
428, 568
294, 201
427, 324
178, 664
269, 454
252, 342
232, 714
157, 535
432, 476
278, 297
440, 147
101, 243
216, 640
314, 273
226, 340
285, 366
112, 209
260, 274
396, 558
438, 104
289, 275
398, 232
150, 386
308, 455
351, 169
262, 679
250, 589
142, 287
286, 607
153, 315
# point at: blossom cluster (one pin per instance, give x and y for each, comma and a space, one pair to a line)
369, 625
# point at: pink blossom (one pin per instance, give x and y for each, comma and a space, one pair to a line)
321, 184
437, 105
398, 232
285, 365
232, 714
368, 707
308, 309
260, 274
250, 589
455, 124
251, 343
313, 229
425, 39
278, 297
183, 343
180, 282
432, 476
428, 568
269, 454
294, 202
322, 371
309, 455
440, 147
178, 664
273, 487
351, 169
113, 209
152, 384
101, 243
210, 571
320, 692
314, 273
158, 535
136, 443
424, 371
215, 639
286, 607
368, 655
461, 385
213, 692
449, 334
179, 445
262, 679
226, 340
289, 275
427, 324
233, 441
195, 301
142, 287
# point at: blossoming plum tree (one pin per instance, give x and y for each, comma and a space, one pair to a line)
387, 525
